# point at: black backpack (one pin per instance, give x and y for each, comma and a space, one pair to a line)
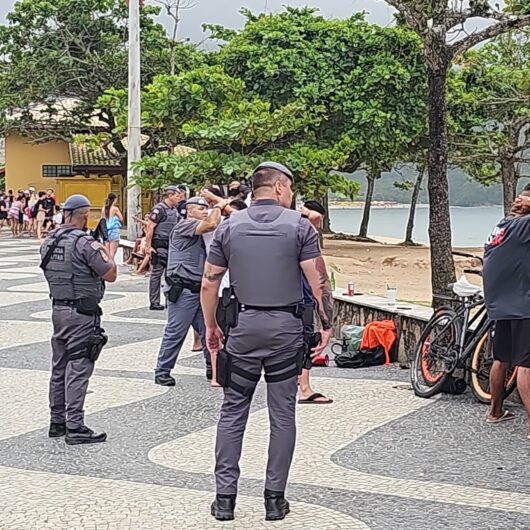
361, 359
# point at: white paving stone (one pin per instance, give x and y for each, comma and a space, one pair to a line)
360, 406
28, 410
141, 356
36, 500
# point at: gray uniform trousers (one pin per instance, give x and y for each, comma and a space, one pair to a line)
281, 401
69, 379
182, 314
158, 269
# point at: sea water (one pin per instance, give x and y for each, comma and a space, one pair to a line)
470, 226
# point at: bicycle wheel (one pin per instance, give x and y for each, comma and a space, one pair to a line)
435, 355
481, 364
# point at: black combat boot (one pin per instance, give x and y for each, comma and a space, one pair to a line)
164, 380
84, 435
223, 507
276, 507
57, 430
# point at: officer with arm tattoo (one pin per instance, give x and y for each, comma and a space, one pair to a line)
187, 254
75, 267
162, 219
267, 248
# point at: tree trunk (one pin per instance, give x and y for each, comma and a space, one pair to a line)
363, 231
413, 203
509, 183
442, 264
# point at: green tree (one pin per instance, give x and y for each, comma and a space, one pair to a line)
489, 104
437, 22
231, 131
370, 80
59, 57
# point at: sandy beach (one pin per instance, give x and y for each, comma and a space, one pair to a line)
371, 265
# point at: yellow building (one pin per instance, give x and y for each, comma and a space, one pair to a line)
67, 168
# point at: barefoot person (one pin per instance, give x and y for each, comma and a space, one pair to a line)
507, 290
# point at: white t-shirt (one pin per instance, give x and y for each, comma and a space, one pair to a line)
208, 238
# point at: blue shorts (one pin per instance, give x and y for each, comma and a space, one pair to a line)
114, 235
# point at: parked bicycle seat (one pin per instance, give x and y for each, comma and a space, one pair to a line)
465, 289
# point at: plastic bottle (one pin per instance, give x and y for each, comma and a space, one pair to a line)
332, 280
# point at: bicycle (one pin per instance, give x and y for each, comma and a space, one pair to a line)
457, 337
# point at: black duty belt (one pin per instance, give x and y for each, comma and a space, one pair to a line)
160, 243
68, 303
295, 310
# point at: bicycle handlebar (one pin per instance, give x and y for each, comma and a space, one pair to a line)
467, 255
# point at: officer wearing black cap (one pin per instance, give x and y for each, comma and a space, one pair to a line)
267, 248
75, 266
162, 219
185, 267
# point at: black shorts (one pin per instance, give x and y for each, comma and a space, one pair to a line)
511, 342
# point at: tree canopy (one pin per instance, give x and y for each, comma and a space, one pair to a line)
489, 102
73, 50
231, 130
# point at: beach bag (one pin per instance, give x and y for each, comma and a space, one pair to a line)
361, 358
352, 336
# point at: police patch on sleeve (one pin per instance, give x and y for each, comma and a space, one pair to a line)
96, 245
154, 214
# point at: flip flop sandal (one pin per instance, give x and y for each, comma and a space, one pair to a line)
505, 417
312, 400
198, 350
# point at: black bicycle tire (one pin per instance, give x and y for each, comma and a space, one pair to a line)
430, 391
339, 348
481, 395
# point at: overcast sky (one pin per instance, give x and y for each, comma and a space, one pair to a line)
226, 12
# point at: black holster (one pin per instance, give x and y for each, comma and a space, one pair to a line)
177, 285
311, 340
88, 306
227, 311
91, 349
175, 290
157, 259
224, 368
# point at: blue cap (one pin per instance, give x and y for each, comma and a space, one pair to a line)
278, 167
74, 202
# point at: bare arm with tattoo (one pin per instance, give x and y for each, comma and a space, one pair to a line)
211, 282
317, 277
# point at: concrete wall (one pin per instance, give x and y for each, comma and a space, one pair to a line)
24, 162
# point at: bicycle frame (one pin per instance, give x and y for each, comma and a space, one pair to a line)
468, 339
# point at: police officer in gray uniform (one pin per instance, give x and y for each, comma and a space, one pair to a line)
266, 248
75, 266
162, 219
187, 255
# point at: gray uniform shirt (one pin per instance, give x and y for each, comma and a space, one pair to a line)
91, 254
261, 333
187, 252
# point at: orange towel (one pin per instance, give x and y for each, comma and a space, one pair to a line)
381, 333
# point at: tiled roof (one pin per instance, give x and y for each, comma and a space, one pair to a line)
82, 156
